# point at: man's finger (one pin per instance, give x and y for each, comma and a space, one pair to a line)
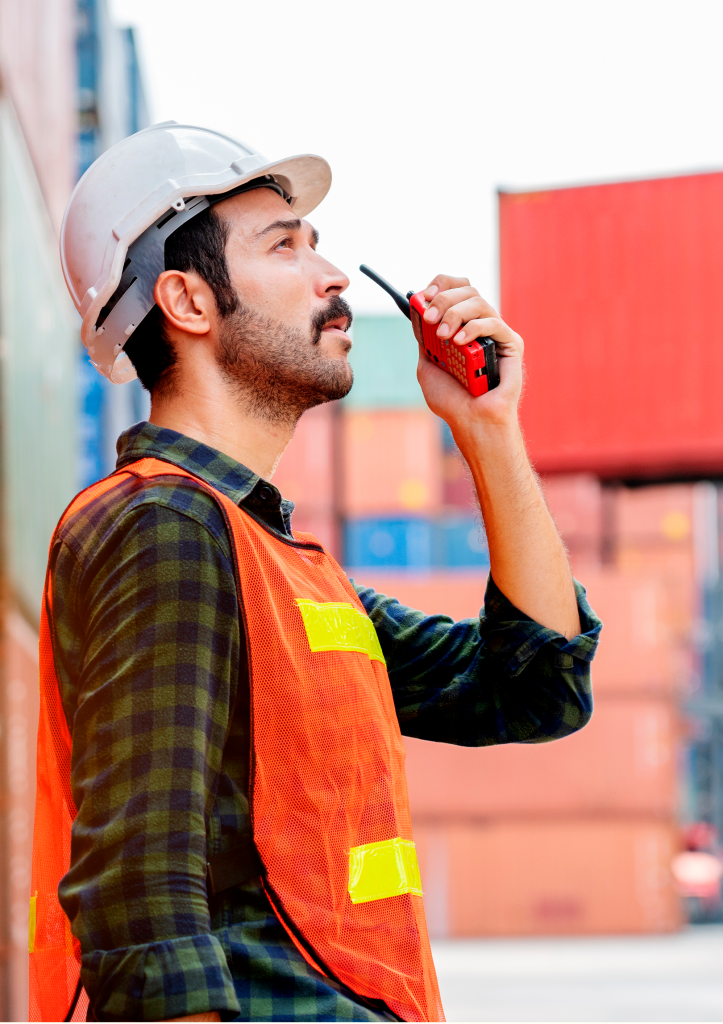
441, 283
467, 307
507, 340
441, 303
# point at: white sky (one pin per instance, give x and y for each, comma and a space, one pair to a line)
424, 109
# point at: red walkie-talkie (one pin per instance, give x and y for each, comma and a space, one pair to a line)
474, 364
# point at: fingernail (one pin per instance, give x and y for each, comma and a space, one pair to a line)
431, 314
431, 291
460, 337
442, 331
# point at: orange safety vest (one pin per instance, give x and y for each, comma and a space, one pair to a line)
329, 804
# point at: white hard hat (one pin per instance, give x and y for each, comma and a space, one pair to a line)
140, 191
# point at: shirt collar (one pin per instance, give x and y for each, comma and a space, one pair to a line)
236, 481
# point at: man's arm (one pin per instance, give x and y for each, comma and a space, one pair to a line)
156, 607
502, 678
527, 558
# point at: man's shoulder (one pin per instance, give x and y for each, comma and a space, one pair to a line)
134, 504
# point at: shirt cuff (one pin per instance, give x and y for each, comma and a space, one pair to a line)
160, 980
515, 638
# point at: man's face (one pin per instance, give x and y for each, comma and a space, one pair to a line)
286, 346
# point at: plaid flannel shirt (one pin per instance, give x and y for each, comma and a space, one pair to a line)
151, 661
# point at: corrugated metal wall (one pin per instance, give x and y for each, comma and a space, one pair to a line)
616, 291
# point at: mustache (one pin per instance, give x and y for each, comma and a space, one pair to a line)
336, 307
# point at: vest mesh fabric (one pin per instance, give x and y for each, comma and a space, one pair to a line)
327, 776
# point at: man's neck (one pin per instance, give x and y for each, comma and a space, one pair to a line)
212, 412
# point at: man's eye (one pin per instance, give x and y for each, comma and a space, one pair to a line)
285, 242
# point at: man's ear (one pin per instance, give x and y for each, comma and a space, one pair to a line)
185, 300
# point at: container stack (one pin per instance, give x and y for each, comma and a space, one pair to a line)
408, 510
577, 836
306, 475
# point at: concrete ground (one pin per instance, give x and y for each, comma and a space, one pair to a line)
642, 978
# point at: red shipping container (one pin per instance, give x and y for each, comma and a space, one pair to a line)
616, 291
392, 463
623, 761
576, 877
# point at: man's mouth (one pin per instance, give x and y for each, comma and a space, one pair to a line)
340, 324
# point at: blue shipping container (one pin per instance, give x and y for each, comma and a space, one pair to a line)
389, 542
451, 542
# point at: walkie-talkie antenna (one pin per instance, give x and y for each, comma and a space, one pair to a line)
397, 296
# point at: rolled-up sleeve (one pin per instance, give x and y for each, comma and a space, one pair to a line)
499, 678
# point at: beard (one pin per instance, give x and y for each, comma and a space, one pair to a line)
281, 371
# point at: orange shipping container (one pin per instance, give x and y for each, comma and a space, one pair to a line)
392, 462
459, 594
305, 474
576, 503
577, 877
647, 619
654, 516
623, 761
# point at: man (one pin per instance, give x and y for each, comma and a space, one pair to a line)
242, 847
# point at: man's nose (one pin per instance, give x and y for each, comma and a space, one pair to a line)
330, 280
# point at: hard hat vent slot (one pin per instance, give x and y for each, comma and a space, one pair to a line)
166, 219
125, 283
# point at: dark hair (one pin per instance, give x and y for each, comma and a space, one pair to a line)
198, 245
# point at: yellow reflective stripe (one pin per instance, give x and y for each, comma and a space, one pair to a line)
339, 626
32, 923
379, 870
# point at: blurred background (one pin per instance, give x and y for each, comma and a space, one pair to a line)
568, 158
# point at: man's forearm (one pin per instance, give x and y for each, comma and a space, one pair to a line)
527, 557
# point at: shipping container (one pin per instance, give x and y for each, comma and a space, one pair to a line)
20, 702
447, 542
305, 474
323, 526
457, 594
548, 877
659, 516
616, 384
402, 543
384, 359
459, 542
38, 327
645, 641
392, 463
647, 621
623, 761
37, 68
576, 504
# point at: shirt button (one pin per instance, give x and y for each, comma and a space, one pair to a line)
265, 493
